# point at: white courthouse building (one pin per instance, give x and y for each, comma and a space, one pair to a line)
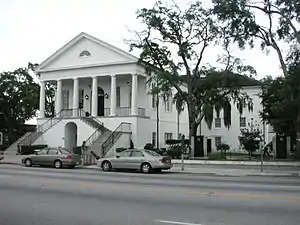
102, 97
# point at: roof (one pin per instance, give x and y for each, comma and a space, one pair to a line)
91, 38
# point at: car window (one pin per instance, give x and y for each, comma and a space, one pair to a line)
137, 154
64, 151
43, 152
152, 153
125, 154
52, 151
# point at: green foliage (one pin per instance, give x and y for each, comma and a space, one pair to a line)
19, 98
49, 93
241, 26
223, 147
188, 32
250, 139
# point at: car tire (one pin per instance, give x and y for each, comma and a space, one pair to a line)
106, 166
57, 164
28, 162
146, 168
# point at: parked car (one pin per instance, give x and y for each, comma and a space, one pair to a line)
136, 159
57, 157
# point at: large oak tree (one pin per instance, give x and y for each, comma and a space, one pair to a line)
172, 44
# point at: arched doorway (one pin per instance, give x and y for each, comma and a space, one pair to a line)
100, 102
70, 136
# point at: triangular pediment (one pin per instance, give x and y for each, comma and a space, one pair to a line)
84, 50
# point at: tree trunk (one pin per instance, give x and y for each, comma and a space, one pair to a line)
281, 60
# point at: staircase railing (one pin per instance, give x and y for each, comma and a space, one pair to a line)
94, 137
115, 135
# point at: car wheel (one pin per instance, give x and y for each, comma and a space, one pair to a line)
28, 162
146, 168
106, 166
57, 164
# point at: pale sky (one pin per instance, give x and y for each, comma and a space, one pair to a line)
31, 30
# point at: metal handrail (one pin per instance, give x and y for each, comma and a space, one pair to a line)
91, 139
111, 137
42, 125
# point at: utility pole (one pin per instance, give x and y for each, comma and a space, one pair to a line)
157, 115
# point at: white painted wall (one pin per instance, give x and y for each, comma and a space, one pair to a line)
56, 135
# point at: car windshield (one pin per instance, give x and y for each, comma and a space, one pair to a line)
152, 153
64, 151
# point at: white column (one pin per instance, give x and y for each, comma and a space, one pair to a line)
55, 102
95, 96
59, 96
134, 93
42, 100
75, 96
113, 95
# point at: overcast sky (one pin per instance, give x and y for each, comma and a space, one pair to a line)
31, 30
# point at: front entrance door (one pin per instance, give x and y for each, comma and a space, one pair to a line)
100, 102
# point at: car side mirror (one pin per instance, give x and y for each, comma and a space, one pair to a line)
117, 156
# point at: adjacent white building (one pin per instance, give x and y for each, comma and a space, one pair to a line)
102, 98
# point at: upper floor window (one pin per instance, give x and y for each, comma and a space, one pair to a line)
242, 121
168, 104
84, 53
217, 122
65, 99
81, 98
118, 100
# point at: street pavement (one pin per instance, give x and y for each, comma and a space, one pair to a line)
46, 196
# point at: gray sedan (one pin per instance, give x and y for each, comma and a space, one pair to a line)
57, 157
136, 159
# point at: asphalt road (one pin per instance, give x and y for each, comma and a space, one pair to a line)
44, 196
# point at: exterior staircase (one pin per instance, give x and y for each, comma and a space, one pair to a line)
103, 139
12, 149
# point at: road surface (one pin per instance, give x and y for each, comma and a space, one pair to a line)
46, 196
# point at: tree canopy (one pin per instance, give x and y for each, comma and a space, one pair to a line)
19, 97
242, 23
173, 43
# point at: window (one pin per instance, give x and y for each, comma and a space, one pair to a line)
218, 141
65, 99
168, 104
64, 151
137, 154
242, 121
84, 53
153, 138
152, 153
43, 152
52, 151
125, 154
217, 122
168, 136
81, 98
118, 100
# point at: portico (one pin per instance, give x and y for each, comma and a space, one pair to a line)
98, 95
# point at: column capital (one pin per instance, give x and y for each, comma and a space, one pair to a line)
113, 75
75, 78
134, 74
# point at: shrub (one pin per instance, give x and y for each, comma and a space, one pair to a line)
250, 139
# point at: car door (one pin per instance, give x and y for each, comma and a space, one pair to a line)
51, 156
40, 156
121, 161
136, 159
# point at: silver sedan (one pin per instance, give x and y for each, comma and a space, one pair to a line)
136, 159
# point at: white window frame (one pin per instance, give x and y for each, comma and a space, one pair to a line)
66, 99
216, 138
243, 122
218, 122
